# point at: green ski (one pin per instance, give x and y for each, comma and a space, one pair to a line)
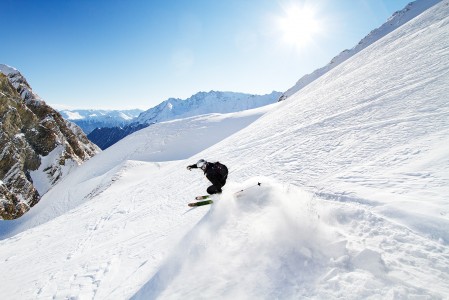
201, 203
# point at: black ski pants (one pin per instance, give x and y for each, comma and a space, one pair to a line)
214, 189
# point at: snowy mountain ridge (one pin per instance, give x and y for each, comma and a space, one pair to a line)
89, 119
353, 202
205, 103
20, 84
399, 18
171, 109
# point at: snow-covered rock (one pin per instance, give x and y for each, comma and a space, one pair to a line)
38, 147
20, 84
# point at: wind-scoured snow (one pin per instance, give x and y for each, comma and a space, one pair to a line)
353, 202
42, 180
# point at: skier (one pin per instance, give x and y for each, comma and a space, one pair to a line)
217, 173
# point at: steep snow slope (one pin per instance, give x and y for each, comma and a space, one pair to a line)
353, 204
378, 120
368, 141
167, 141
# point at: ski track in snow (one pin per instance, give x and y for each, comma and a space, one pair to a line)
353, 205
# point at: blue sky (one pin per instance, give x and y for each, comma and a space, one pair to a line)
135, 54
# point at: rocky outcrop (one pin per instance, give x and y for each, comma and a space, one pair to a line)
106, 137
37, 146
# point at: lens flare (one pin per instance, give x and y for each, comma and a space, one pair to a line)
299, 25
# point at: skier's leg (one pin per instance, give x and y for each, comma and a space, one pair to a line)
213, 189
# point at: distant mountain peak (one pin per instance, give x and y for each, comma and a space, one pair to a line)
198, 104
7, 70
90, 119
204, 103
20, 83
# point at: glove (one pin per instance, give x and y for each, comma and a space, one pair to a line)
189, 168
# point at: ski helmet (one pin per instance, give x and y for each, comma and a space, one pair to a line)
201, 164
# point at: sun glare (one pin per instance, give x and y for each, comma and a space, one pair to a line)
299, 25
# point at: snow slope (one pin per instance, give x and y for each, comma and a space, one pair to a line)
166, 141
353, 202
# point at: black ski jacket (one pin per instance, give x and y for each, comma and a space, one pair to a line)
217, 173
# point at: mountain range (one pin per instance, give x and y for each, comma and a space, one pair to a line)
89, 119
171, 109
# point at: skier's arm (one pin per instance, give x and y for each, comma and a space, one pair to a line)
192, 167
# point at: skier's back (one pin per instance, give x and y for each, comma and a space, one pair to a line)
217, 173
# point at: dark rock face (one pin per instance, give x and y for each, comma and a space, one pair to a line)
106, 137
31, 134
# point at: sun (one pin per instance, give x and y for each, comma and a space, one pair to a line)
299, 25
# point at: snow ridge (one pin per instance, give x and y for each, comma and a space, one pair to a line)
20, 84
205, 103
